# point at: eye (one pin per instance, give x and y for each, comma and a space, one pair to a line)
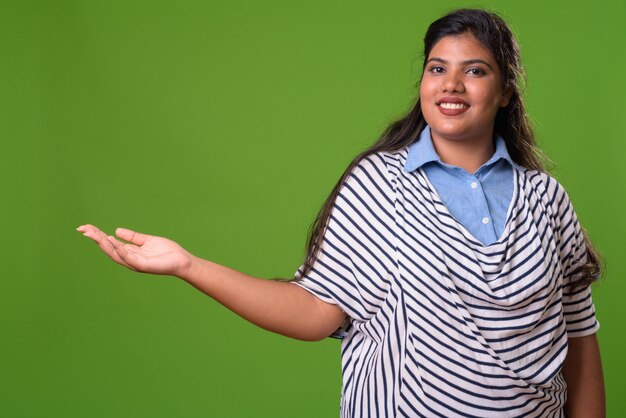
476, 71
436, 69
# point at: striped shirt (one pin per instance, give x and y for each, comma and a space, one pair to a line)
440, 324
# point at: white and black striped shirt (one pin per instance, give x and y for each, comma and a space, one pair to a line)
441, 325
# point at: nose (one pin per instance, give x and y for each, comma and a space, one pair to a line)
452, 83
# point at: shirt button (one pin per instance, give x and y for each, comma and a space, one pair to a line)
485, 221
474, 185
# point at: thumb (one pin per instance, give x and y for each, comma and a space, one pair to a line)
131, 236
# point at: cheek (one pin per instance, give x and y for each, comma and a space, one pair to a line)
488, 102
426, 90
426, 99
489, 94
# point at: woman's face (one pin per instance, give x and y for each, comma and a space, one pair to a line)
461, 90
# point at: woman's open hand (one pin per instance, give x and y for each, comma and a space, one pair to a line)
143, 253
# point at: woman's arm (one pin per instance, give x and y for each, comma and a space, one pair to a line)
583, 374
279, 307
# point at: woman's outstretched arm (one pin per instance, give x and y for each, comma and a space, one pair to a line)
277, 306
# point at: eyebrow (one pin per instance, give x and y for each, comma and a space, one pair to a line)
466, 62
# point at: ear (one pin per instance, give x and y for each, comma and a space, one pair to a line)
506, 97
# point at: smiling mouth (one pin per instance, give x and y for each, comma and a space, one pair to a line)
452, 106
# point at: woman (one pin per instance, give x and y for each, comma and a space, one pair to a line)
455, 264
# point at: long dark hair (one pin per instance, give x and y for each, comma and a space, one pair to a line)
511, 121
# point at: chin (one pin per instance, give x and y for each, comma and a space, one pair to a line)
452, 133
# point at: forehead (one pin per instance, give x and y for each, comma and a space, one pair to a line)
461, 48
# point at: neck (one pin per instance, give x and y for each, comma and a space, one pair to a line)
466, 154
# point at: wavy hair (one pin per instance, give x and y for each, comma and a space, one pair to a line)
511, 123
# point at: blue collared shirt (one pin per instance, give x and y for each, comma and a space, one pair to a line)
478, 201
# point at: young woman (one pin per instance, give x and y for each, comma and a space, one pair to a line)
453, 264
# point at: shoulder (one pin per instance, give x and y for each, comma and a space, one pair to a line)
380, 160
549, 190
379, 168
543, 182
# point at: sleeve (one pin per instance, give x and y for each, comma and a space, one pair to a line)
357, 257
578, 307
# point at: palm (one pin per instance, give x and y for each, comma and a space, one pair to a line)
157, 255
144, 253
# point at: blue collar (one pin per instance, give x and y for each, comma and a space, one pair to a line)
422, 151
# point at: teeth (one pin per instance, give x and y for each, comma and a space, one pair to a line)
453, 105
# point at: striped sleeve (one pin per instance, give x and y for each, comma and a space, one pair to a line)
357, 255
578, 308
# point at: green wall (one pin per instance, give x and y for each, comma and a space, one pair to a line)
223, 125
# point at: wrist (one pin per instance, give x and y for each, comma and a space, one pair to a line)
187, 268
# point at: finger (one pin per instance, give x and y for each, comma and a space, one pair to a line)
123, 249
86, 228
116, 255
132, 236
106, 243
83, 228
127, 254
131, 248
94, 233
102, 240
114, 241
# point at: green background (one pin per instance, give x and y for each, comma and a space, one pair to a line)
224, 125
